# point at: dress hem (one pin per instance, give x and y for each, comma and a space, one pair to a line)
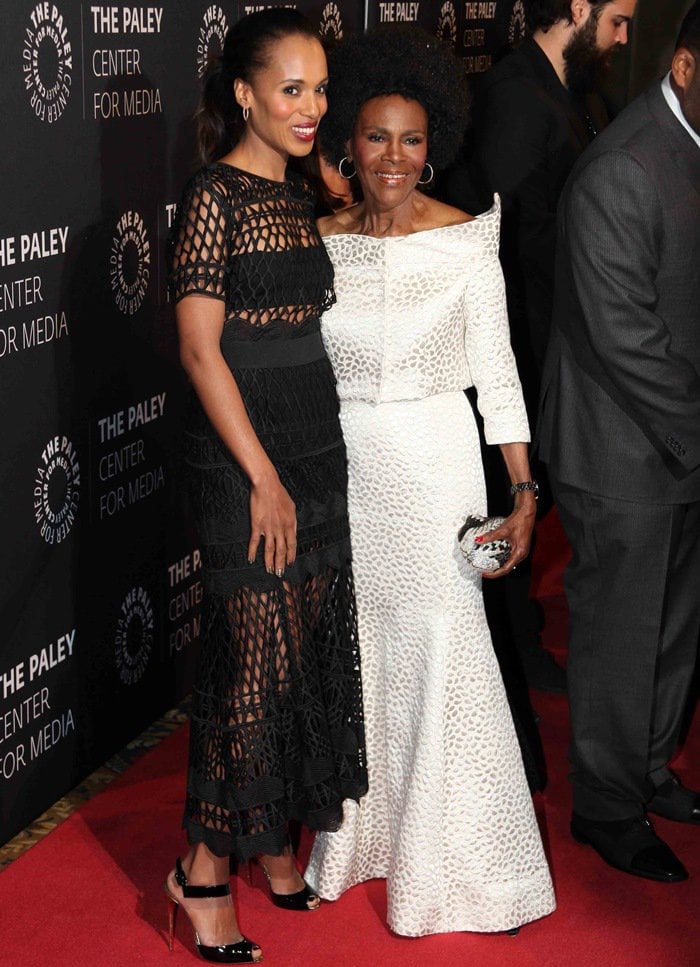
466, 925
271, 842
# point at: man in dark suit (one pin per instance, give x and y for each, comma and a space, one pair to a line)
620, 433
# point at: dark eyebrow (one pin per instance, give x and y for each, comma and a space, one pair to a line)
381, 130
300, 80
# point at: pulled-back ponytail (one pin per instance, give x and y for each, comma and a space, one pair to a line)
218, 117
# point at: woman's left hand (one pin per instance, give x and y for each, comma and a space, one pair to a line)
517, 530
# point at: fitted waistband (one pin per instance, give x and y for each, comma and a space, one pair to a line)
268, 353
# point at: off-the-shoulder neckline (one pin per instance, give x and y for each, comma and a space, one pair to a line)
493, 210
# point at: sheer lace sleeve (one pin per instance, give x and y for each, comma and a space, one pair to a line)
491, 361
199, 242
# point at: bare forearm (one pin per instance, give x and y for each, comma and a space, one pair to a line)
221, 400
515, 456
273, 524
517, 527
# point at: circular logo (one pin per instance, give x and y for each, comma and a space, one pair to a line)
210, 42
57, 490
516, 27
133, 641
447, 23
47, 62
130, 263
331, 26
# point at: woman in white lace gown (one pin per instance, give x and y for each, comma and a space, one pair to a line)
420, 316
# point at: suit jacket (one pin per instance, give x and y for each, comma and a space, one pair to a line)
526, 136
620, 413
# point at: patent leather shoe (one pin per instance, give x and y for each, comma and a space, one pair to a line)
673, 801
243, 951
304, 899
632, 846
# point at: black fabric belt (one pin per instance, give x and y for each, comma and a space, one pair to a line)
273, 353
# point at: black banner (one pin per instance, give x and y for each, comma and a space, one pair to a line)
99, 615
478, 32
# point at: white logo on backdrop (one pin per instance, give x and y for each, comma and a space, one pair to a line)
212, 34
130, 263
331, 25
133, 640
47, 62
516, 28
57, 490
447, 23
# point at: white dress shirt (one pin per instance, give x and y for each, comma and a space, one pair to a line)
675, 105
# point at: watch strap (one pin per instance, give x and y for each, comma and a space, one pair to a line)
525, 485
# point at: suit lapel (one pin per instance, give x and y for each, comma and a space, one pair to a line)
678, 143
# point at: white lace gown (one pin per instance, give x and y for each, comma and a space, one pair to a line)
448, 820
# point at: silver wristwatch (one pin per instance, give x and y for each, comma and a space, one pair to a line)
532, 485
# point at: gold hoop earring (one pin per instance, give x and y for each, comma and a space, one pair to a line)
246, 113
340, 169
431, 176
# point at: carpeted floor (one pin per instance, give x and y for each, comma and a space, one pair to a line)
90, 892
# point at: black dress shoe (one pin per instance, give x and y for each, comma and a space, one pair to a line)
672, 801
630, 845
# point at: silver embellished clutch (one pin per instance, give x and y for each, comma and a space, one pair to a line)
489, 555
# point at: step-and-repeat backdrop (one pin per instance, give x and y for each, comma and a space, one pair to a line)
99, 569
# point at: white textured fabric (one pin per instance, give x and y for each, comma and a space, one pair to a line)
424, 314
448, 820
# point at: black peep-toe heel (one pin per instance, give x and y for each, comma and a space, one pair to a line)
240, 952
289, 901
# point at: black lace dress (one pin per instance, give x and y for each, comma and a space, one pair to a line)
277, 726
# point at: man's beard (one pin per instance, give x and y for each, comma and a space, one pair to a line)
584, 62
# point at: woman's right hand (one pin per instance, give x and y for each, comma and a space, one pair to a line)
273, 519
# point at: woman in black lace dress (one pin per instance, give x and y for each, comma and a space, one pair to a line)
277, 730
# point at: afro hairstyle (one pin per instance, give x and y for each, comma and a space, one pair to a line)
396, 59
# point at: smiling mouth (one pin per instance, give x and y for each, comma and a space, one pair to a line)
391, 177
306, 132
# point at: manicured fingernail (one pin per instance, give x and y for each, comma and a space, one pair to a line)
478, 540
251, 560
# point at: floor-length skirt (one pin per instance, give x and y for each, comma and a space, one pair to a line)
448, 820
277, 724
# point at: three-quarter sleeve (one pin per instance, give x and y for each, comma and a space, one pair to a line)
487, 336
200, 240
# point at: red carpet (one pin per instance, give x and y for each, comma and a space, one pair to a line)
90, 893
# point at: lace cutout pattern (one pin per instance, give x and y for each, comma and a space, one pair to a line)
277, 726
252, 243
267, 745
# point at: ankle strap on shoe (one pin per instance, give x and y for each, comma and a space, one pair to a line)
198, 892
